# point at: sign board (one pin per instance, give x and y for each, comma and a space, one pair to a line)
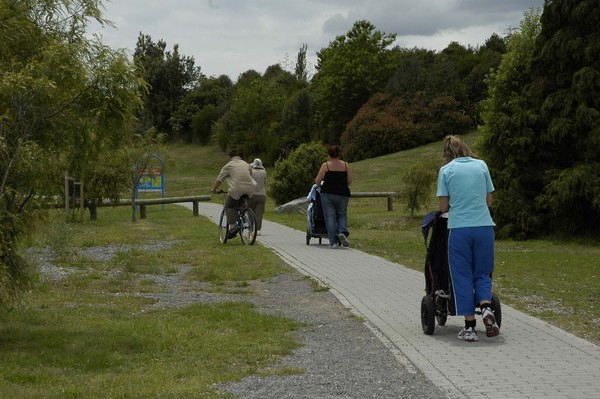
151, 177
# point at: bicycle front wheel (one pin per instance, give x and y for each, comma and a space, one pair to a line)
248, 231
223, 228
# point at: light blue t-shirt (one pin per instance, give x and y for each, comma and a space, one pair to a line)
466, 181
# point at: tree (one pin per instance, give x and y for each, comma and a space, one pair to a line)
252, 122
301, 70
566, 93
543, 123
200, 108
509, 139
170, 76
354, 67
389, 123
294, 176
64, 100
418, 181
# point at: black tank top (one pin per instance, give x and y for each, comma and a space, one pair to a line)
336, 182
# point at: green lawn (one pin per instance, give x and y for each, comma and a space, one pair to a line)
95, 332
555, 280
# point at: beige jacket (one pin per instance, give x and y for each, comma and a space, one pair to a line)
260, 177
238, 175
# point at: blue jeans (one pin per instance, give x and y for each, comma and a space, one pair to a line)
335, 212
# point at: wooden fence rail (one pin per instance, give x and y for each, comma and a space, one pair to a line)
143, 203
387, 194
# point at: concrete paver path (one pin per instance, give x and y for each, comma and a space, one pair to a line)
529, 359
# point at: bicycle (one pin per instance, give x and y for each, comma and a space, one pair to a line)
246, 222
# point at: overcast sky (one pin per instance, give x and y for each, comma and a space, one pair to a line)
232, 36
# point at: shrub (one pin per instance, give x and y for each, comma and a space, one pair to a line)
418, 181
294, 176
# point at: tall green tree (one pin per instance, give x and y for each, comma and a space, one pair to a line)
170, 76
354, 67
200, 108
252, 122
542, 135
63, 100
509, 140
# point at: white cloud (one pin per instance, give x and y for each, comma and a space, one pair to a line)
231, 36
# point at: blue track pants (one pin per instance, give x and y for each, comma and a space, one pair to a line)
471, 261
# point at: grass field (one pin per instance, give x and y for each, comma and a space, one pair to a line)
555, 280
93, 329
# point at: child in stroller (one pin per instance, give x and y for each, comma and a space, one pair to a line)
316, 221
438, 303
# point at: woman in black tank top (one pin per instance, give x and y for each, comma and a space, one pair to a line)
334, 178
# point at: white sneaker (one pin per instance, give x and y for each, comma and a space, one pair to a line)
468, 334
491, 327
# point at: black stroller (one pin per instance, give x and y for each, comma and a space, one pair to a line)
316, 220
438, 303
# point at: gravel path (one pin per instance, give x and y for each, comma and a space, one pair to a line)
341, 356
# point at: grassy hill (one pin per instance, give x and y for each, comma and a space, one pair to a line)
540, 277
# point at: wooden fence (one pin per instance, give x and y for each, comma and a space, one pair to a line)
386, 194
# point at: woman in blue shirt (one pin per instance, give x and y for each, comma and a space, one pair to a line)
464, 190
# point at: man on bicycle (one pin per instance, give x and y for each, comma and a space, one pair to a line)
238, 174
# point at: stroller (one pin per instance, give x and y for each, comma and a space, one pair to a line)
438, 303
316, 220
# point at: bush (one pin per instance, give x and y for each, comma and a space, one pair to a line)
388, 124
418, 181
294, 176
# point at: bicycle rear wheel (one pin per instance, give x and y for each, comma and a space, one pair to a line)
223, 228
248, 228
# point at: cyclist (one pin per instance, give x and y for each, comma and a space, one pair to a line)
238, 174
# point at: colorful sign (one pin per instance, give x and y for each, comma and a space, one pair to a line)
151, 179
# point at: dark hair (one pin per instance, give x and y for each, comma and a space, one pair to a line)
334, 151
234, 153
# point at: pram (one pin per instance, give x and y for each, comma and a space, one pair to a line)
438, 303
316, 220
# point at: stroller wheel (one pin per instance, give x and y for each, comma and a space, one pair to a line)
497, 309
441, 319
427, 315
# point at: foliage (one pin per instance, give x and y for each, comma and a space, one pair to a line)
66, 100
354, 67
170, 76
388, 123
200, 108
506, 143
301, 69
294, 176
418, 181
543, 125
255, 108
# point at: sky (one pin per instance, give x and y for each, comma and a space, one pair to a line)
233, 36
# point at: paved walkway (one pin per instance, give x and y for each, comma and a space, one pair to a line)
529, 359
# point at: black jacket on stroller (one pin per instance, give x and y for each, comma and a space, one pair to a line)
316, 221
438, 283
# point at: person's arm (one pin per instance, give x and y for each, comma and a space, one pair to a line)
489, 199
321, 175
220, 179
349, 173
444, 203
215, 187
